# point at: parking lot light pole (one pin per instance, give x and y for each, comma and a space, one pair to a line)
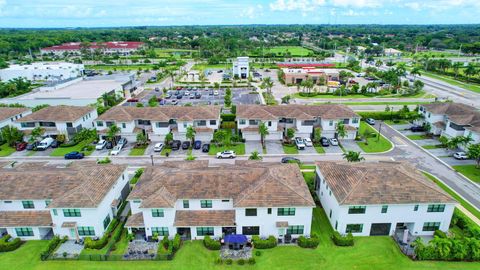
151, 157
379, 130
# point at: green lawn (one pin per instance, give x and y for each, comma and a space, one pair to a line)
122, 245
383, 103
293, 50
165, 151
417, 137
452, 81
307, 166
290, 149
470, 171
238, 148
203, 67
360, 96
137, 151
319, 149
120, 67
61, 151
436, 146
374, 145
396, 122
6, 150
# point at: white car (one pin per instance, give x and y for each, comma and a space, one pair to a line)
333, 141
116, 150
460, 155
299, 143
226, 154
101, 144
158, 147
308, 142
215, 93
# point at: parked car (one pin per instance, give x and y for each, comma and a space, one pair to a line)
290, 160
175, 145
220, 71
299, 143
55, 144
206, 148
215, 93
122, 142
116, 150
185, 145
370, 121
109, 145
21, 146
226, 154
197, 145
174, 102
156, 88
417, 129
158, 147
179, 96
187, 93
45, 143
308, 142
168, 96
192, 95
324, 142
460, 155
32, 146
101, 144
333, 141
74, 155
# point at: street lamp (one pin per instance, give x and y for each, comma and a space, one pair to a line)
379, 131
151, 157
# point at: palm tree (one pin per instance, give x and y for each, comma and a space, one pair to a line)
36, 132
415, 72
341, 130
352, 156
456, 67
168, 138
11, 135
190, 134
255, 156
267, 83
263, 131
471, 71
112, 132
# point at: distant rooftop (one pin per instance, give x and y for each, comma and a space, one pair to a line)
95, 45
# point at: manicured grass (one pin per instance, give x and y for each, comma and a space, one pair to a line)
417, 137
238, 148
290, 149
330, 96
122, 244
6, 150
203, 67
452, 193
307, 167
470, 171
384, 103
120, 67
319, 149
396, 122
374, 145
360, 96
165, 151
436, 146
61, 151
452, 81
293, 50
137, 151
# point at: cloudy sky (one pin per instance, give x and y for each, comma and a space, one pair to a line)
97, 13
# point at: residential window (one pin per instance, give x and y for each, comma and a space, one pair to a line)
206, 203
251, 230
86, 230
28, 205
109, 124
355, 121
185, 125
72, 213
69, 124
415, 208
269, 123
225, 200
357, 209
269, 211
336, 224
354, 228
330, 193
137, 201
242, 121
157, 213
124, 125
308, 123
346, 121
161, 231
384, 209
430, 226
330, 123
162, 124
99, 123
286, 212
436, 208
213, 122
186, 204
55, 212
295, 229
202, 231
27, 124
47, 203
106, 221
201, 123
24, 231
252, 122
330, 215
251, 212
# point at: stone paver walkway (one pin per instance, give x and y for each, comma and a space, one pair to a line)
70, 247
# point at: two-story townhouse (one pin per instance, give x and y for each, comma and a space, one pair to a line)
381, 198
302, 118
8, 115
38, 201
157, 122
452, 120
62, 119
194, 200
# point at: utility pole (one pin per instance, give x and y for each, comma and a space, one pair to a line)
151, 157
460, 50
379, 130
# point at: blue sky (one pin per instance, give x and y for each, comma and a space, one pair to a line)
98, 13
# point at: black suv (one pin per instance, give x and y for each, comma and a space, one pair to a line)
206, 148
175, 145
185, 145
324, 142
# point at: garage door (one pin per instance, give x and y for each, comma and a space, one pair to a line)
251, 136
380, 229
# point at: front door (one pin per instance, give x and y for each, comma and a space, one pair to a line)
72, 233
184, 233
380, 229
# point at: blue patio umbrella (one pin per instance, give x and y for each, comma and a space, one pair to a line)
239, 239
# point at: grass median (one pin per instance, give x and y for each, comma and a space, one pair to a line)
373, 144
470, 171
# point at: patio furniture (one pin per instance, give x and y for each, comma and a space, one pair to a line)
235, 241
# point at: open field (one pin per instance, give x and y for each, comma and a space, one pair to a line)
293, 50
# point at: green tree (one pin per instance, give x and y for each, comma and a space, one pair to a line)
168, 138
190, 135
474, 153
36, 132
290, 134
263, 131
228, 98
11, 135
141, 139
415, 72
471, 70
341, 131
317, 135
255, 156
112, 132
267, 84
152, 102
39, 107
220, 137
352, 156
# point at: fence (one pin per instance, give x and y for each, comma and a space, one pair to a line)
113, 257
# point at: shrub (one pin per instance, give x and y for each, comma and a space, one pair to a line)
258, 253
228, 117
229, 125
211, 244
165, 242
270, 242
177, 241
106, 160
100, 243
218, 261
440, 234
311, 242
6, 245
241, 262
52, 245
389, 115
342, 241
228, 261
251, 261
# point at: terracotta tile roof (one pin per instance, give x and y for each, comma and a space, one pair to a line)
204, 218
135, 220
458, 113
7, 112
301, 112
161, 114
80, 185
60, 113
203, 129
253, 185
25, 218
380, 183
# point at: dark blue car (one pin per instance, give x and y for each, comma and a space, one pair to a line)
74, 155
197, 145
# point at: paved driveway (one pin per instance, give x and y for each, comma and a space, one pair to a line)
251, 146
351, 145
333, 149
274, 147
308, 150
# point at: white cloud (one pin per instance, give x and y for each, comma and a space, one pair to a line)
357, 3
296, 5
252, 12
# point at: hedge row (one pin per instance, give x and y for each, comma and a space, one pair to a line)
389, 115
270, 242
6, 245
210, 243
52, 245
228, 117
311, 242
100, 243
342, 241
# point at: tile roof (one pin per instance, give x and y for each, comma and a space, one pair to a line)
204, 218
380, 183
61, 113
303, 112
8, 112
25, 218
135, 220
458, 113
253, 185
82, 185
161, 114
95, 45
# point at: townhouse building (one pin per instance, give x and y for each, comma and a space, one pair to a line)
8, 115
62, 119
302, 118
157, 122
382, 198
195, 200
38, 201
452, 119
